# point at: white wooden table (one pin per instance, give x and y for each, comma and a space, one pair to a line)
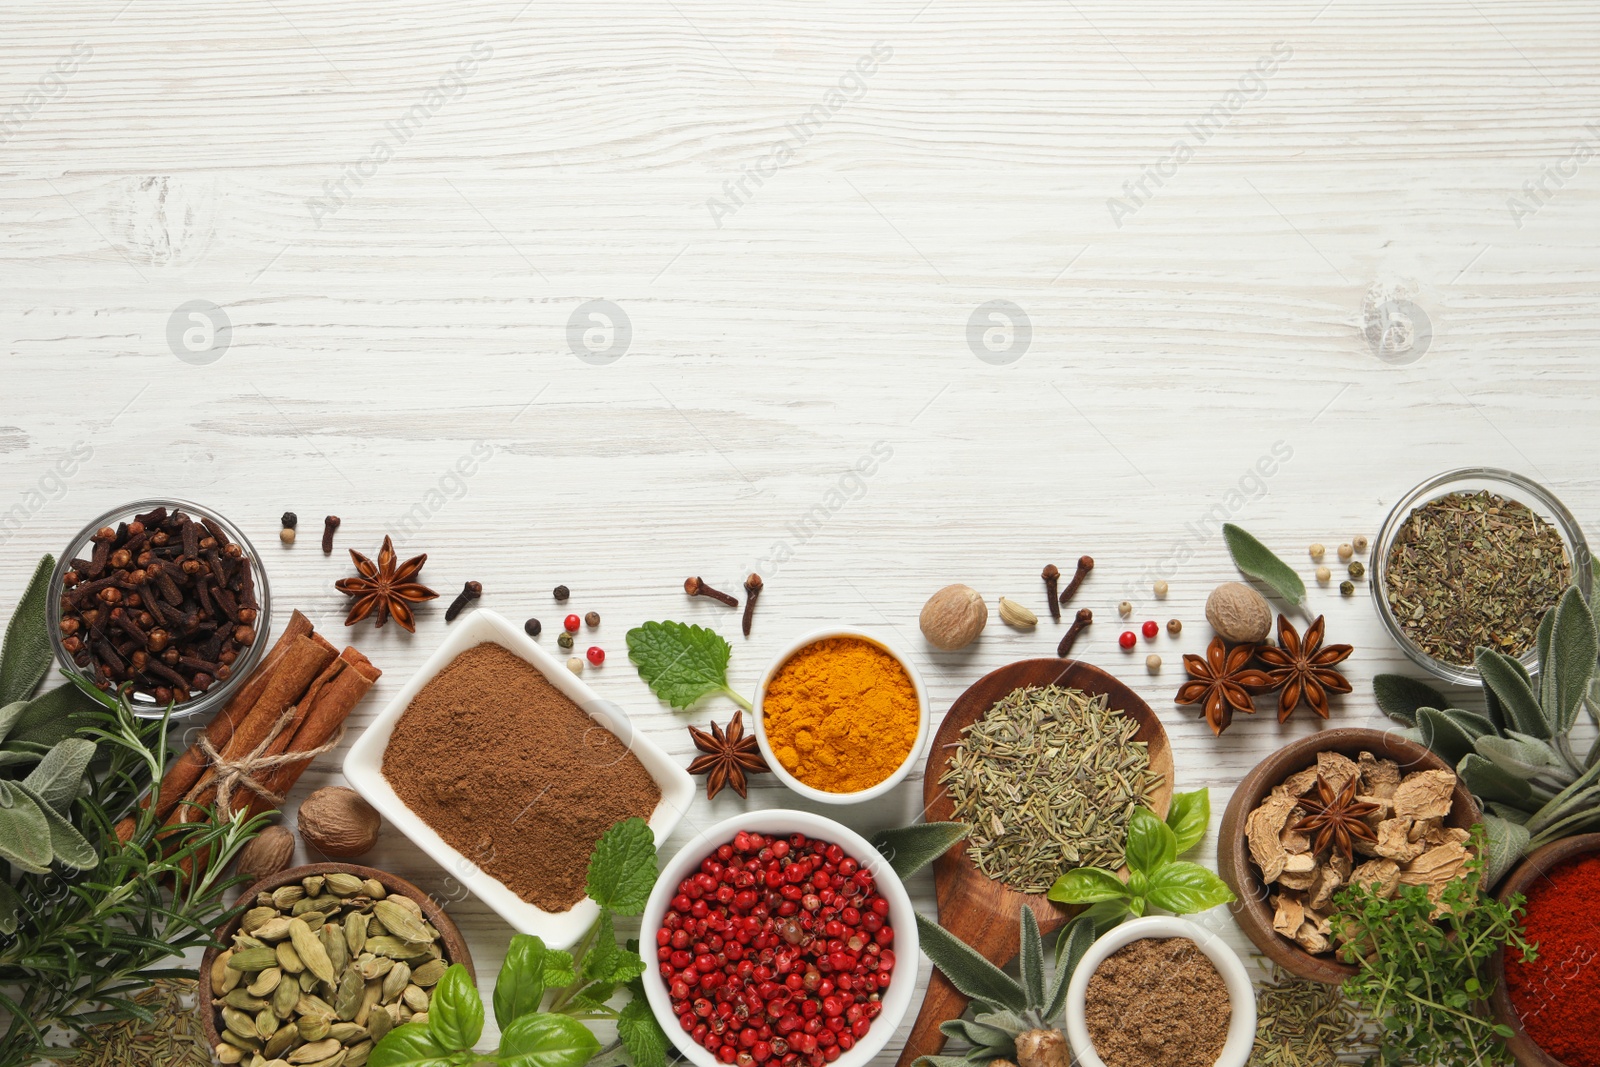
1354, 239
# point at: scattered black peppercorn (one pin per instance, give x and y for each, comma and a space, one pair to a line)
469, 592
290, 520
532, 627
564, 639
592, 619
561, 593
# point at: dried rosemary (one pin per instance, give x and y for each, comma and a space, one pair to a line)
173, 1038
1301, 1023
1471, 569
1048, 780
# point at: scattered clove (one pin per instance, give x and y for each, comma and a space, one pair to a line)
1079, 624
469, 592
1051, 575
752, 589
1085, 565
696, 587
329, 524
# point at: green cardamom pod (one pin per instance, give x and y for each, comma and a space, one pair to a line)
308, 904
312, 954
394, 948
427, 976
243, 940
355, 933
395, 982
253, 918
307, 981
252, 959
248, 1044
227, 1054
263, 899
312, 884
273, 931
314, 1027
358, 1054
266, 981
219, 972
241, 1000
409, 905
341, 884
315, 1052
285, 997
239, 1023
286, 897
375, 927
347, 1033
281, 1042
266, 1023
347, 1001
400, 922
336, 1060
310, 1004
370, 967
374, 889
289, 959
333, 944
416, 997
380, 1022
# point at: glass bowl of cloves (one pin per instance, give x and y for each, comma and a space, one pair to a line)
164, 600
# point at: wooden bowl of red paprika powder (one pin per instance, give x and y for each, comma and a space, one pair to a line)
1552, 1004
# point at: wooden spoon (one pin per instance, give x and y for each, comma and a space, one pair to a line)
980, 911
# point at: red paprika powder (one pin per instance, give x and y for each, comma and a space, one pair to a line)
1558, 994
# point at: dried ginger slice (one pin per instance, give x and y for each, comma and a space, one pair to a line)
1424, 795
1263, 830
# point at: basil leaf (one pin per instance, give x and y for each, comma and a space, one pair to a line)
1399, 697
520, 987
681, 663
411, 1045
641, 1035
455, 1012
24, 834
622, 868
26, 654
1184, 888
1031, 961
1256, 560
546, 1040
57, 777
1190, 818
911, 848
1087, 885
967, 970
67, 845
1151, 842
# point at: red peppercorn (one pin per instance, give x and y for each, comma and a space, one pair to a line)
1128, 639
596, 654
572, 623
1150, 628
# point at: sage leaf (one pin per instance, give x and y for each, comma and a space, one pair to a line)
1442, 735
67, 845
641, 1035
1520, 754
967, 970
622, 868
1031, 961
1190, 818
27, 653
10, 714
1573, 650
51, 717
911, 848
942, 1061
1399, 697
1509, 681
57, 777
10, 908
1076, 939
455, 1011
1509, 813
521, 986
1256, 560
24, 834
1491, 782
979, 1032
1504, 844
547, 1040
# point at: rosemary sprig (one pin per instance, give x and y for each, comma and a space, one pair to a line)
88, 941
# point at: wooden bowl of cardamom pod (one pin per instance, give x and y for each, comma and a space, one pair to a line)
322, 962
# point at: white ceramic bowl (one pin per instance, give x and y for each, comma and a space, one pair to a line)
902, 987
1241, 992
364, 768
822, 796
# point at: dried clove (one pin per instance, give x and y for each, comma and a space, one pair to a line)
752, 589
1079, 624
329, 524
696, 587
1085, 565
469, 592
1051, 575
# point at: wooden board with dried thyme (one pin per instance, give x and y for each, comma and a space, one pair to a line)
1471, 569
1048, 779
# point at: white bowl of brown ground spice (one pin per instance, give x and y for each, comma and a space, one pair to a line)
505, 768
1161, 992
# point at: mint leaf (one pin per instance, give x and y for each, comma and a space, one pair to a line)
546, 1040
641, 1035
455, 1012
1184, 888
622, 868
1190, 817
26, 654
681, 663
558, 969
521, 984
1256, 560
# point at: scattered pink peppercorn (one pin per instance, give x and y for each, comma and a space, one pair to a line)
1128, 639
1150, 628
572, 624
596, 654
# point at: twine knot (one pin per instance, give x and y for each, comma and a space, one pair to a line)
242, 773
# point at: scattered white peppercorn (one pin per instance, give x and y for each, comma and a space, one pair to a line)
1124, 609
1324, 575
1359, 543
286, 535
1347, 588
1152, 663
1160, 589
1346, 550
575, 664
1317, 550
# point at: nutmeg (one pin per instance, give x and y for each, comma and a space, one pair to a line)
1238, 613
272, 851
338, 823
953, 616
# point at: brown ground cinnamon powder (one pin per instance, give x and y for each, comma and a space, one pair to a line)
514, 775
1158, 1002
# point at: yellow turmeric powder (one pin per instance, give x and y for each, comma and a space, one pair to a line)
841, 714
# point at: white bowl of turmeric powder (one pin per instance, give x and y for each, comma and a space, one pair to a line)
841, 716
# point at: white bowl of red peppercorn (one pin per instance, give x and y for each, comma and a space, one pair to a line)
834, 982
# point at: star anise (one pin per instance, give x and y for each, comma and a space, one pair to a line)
1222, 680
1302, 668
1337, 818
385, 589
729, 757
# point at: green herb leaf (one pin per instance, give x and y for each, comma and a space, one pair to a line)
24, 833
967, 970
1399, 697
1442, 735
1190, 818
1087, 885
1256, 560
9, 715
559, 970
681, 663
1570, 661
1184, 888
641, 1035
66, 843
1509, 681
51, 717
1505, 843
547, 1040
59, 775
26, 654
1520, 754
1151, 842
1031, 961
911, 848
1076, 939
10, 908
1491, 782
455, 1012
411, 1045
622, 868
520, 987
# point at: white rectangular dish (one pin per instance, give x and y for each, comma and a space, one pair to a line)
364, 769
